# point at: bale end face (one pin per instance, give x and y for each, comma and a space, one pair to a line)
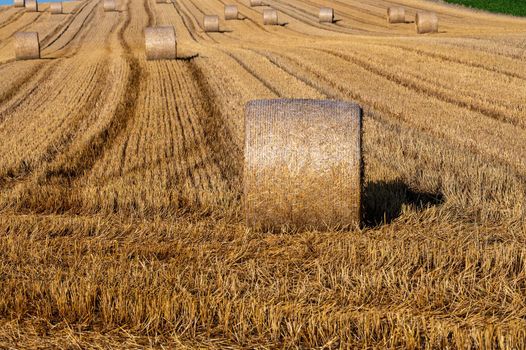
56, 8
326, 15
31, 5
160, 43
426, 22
303, 164
396, 15
110, 5
27, 46
211, 23
256, 3
19, 3
231, 12
270, 17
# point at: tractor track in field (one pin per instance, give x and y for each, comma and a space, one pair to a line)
474, 107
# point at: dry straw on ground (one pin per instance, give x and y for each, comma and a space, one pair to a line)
19, 3
110, 5
31, 5
27, 46
303, 164
211, 23
160, 43
256, 3
231, 12
56, 8
426, 22
270, 17
326, 15
396, 15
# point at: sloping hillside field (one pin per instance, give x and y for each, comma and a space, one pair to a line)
121, 180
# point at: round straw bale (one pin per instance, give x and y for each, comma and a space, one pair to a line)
110, 5
27, 46
231, 12
303, 164
426, 22
31, 5
211, 23
56, 8
396, 15
256, 3
19, 3
270, 17
160, 43
326, 15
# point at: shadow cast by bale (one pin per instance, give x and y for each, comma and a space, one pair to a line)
384, 200
187, 58
283, 24
409, 22
334, 21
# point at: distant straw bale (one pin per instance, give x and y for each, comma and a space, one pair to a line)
303, 164
27, 46
31, 5
326, 15
211, 23
110, 5
231, 12
270, 17
396, 15
256, 3
56, 8
160, 43
19, 3
426, 22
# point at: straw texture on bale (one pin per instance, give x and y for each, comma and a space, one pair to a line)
270, 17
110, 5
27, 46
426, 22
256, 3
396, 15
56, 8
303, 164
231, 12
326, 15
211, 23
19, 3
160, 43
31, 5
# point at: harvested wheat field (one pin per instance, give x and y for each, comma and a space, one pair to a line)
121, 180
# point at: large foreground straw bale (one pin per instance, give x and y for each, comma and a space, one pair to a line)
27, 46
270, 17
256, 3
211, 23
110, 5
56, 8
160, 43
326, 15
396, 15
426, 22
19, 3
303, 164
231, 12
31, 5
